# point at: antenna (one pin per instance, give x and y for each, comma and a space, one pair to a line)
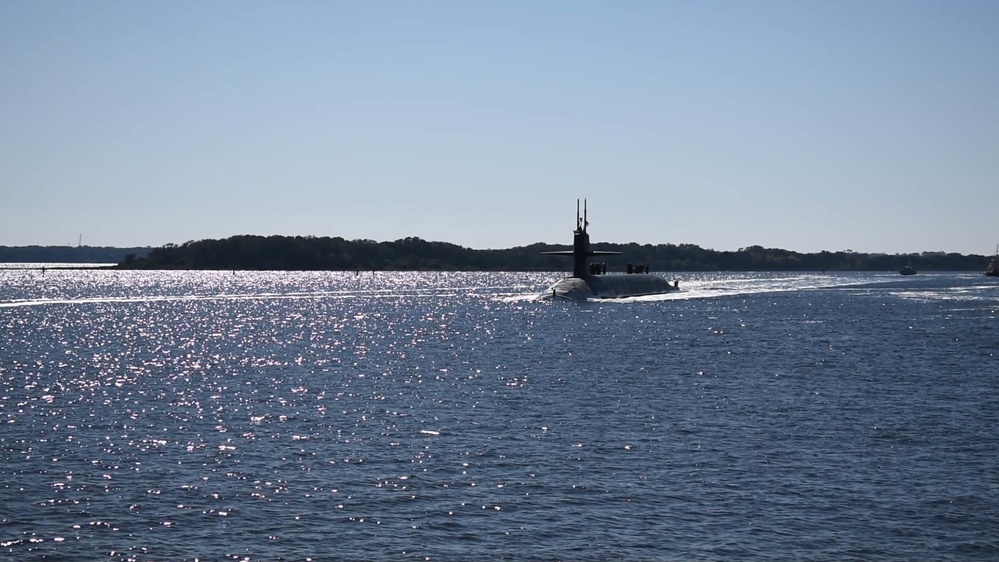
79, 243
585, 222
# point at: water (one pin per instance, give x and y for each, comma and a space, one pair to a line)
434, 416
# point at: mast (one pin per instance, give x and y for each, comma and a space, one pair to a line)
580, 246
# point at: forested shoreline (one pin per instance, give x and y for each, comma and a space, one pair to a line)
68, 254
307, 253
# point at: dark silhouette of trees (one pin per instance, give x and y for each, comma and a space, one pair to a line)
416, 254
67, 254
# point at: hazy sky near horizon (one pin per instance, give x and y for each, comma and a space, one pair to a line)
870, 125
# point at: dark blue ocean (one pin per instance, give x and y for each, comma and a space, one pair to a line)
435, 416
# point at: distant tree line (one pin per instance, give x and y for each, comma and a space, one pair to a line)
414, 254
67, 254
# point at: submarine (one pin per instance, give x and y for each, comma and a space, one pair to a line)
591, 280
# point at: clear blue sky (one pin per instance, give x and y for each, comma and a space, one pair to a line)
870, 125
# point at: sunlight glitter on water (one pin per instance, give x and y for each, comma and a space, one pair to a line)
432, 415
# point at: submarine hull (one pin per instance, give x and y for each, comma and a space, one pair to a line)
591, 282
611, 286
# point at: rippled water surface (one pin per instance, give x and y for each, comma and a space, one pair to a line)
285, 416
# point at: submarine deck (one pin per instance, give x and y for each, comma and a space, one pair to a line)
611, 286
